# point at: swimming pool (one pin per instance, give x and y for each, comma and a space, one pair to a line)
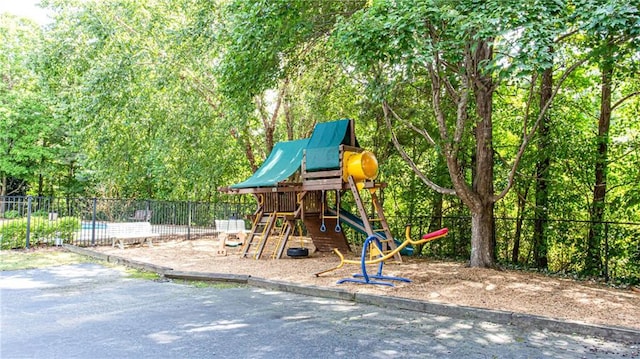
97, 226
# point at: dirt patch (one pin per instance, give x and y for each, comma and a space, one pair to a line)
433, 281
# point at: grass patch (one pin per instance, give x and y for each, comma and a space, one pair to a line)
211, 284
38, 258
141, 274
50, 256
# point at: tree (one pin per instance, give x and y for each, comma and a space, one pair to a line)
614, 31
542, 174
269, 48
134, 79
27, 129
467, 50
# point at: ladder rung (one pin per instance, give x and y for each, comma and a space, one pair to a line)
284, 214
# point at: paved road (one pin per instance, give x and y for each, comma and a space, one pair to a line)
91, 311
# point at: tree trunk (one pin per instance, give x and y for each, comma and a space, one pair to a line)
522, 202
593, 262
288, 116
70, 179
436, 213
269, 121
542, 177
482, 221
40, 185
248, 151
482, 237
3, 192
243, 139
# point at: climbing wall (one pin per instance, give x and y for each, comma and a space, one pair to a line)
328, 240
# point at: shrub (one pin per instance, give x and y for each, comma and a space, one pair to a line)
11, 214
40, 213
66, 227
13, 234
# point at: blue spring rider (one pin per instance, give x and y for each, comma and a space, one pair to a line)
366, 278
369, 244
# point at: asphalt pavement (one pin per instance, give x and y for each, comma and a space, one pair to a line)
93, 311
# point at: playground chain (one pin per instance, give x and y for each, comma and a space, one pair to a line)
433, 281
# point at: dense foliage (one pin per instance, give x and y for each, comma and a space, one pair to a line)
13, 234
524, 111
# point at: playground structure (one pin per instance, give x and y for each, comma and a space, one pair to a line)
306, 180
372, 248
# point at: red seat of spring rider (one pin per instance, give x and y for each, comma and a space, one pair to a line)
438, 233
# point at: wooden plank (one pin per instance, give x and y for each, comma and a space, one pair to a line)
328, 240
322, 174
285, 237
390, 243
361, 210
323, 184
351, 149
280, 188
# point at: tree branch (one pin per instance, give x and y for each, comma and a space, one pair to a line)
408, 160
534, 78
451, 148
620, 101
201, 88
423, 132
527, 138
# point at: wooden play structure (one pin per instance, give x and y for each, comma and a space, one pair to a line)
305, 180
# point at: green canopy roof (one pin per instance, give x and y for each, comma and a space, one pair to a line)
283, 161
323, 150
322, 153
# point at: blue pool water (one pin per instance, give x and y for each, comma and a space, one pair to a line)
98, 226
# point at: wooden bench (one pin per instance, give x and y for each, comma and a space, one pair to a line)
130, 233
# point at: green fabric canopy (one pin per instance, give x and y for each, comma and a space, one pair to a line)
323, 151
283, 161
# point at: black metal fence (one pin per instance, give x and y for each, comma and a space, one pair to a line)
28, 221
566, 242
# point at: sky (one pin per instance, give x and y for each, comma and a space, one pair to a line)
25, 8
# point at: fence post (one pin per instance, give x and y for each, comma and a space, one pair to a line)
189, 220
93, 221
606, 251
29, 200
147, 209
